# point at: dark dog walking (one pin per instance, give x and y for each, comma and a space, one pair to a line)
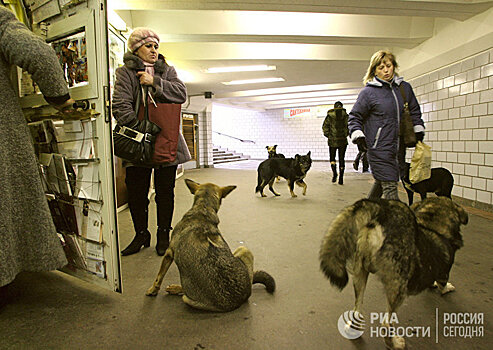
440, 182
408, 248
212, 278
293, 170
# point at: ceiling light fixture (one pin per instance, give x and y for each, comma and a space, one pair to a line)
262, 67
252, 81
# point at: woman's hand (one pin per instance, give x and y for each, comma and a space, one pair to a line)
145, 78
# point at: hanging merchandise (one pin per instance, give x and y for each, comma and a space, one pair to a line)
420, 163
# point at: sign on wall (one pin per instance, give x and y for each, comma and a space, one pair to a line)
306, 112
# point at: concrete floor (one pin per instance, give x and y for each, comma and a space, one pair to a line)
55, 311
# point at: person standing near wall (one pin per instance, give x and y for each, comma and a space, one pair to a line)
335, 129
28, 238
145, 69
374, 123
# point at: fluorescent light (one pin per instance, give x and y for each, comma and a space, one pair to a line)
262, 67
252, 81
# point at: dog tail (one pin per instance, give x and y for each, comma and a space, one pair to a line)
266, 279
339, 244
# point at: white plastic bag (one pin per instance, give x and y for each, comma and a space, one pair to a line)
420, 163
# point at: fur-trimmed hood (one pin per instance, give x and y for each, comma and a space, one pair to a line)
134, 62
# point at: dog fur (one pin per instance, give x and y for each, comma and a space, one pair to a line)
408, 248
212, 277
293, 170
440, 182
272, 152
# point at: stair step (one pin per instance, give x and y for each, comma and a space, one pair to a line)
220, 155
229, 160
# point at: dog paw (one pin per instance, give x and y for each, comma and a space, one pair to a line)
395, 343
449, 287
174, 289
264, 195
152, 292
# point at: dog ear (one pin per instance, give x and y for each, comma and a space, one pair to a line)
297, 156
226, 190
192, 185
275, 146
308, 154
267, 147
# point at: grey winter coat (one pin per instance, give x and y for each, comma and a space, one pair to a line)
28, 239
166, 88
335, 128
376, 116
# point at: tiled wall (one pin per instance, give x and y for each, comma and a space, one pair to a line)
292, 136
205, 139
457, 106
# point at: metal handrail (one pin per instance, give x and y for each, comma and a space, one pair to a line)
236, 138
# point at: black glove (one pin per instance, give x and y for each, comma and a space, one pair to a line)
145, 126
419, 136
361, 143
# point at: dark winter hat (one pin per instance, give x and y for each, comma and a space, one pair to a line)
141, 36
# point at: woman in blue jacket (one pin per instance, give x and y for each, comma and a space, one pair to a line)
374, 123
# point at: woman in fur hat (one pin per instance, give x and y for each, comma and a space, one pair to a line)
146, 76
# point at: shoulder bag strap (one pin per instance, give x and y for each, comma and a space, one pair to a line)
403, 94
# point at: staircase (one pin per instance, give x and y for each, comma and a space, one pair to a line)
221, 155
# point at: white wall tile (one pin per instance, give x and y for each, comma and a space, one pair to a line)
455, 68
489, 185
479, 134
471, 170
486, 96
459, 124
460, 78
459, 101
458, 146
483, 196
481, 59
467, 64
467, 88
472, 123
477, 158
465, 134
452, 157
465, 181
448, 82
449, 102
481, 84
480, 109
454, 91
485, 171
470, 194
472, 146
473, 74
466, 111
457, 191
478, 183
464, 158
487, 70
458, 169
486, 146
486, 121
472, 98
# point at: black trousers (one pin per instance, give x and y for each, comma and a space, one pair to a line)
342, 154
138, 181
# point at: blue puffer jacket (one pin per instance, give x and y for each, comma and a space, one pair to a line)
375, 116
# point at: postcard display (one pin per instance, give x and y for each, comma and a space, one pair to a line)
74, 150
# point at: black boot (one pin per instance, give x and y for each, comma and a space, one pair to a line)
162, 240
142, 238
341, 175
334, 172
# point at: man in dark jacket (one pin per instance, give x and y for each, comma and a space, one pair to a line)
335, 128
